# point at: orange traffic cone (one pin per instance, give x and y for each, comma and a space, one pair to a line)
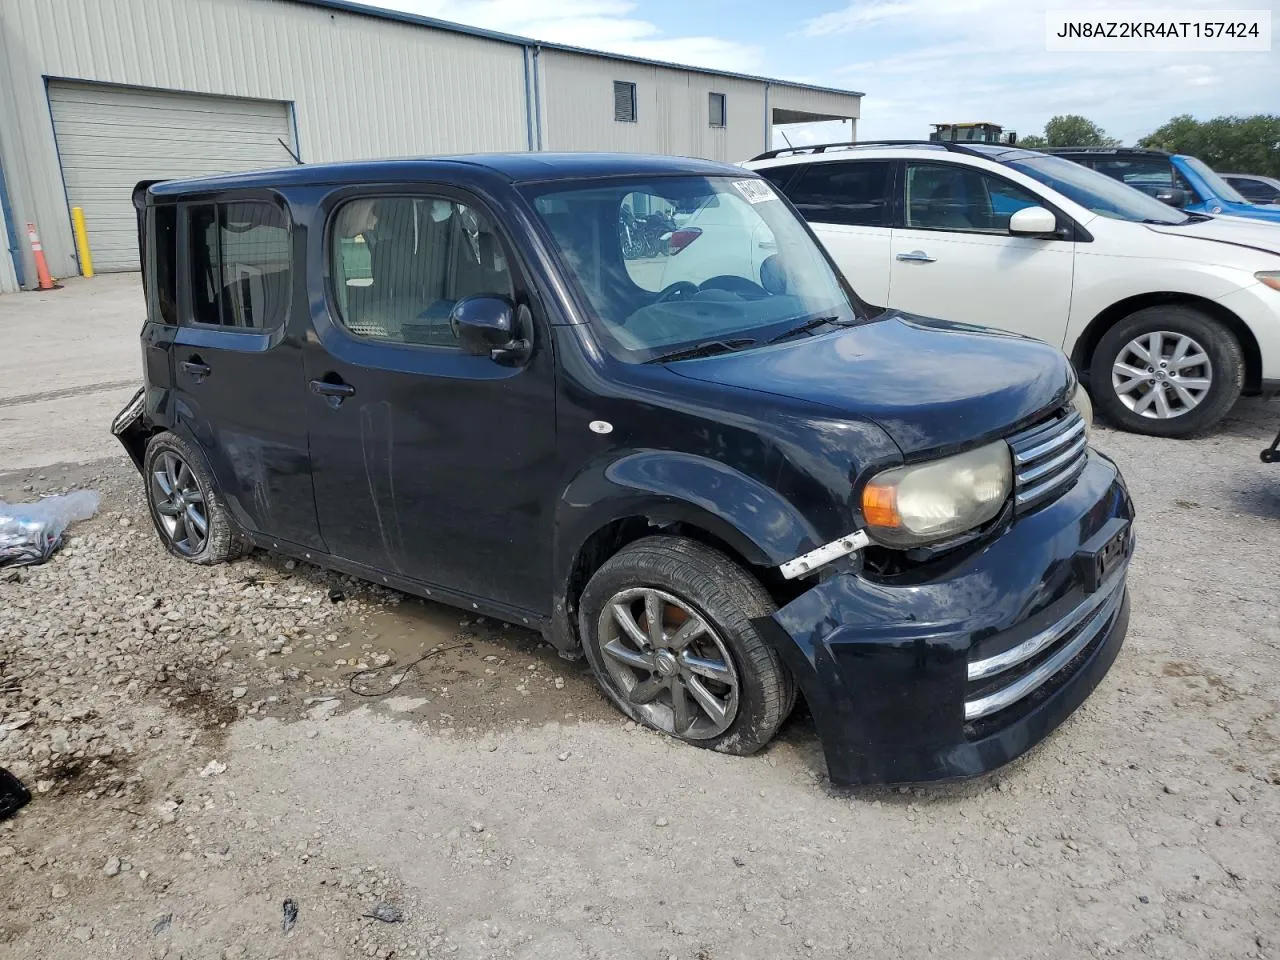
42, 265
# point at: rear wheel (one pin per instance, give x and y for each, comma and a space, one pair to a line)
666, 626
1167, 371
185, 506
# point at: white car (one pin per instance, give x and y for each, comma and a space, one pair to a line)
1167, 316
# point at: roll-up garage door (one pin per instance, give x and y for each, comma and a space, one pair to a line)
110, 137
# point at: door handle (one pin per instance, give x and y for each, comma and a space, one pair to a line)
333, 393
197, 370
915, 256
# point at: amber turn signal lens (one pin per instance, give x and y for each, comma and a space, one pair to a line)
880, 506
1270, 277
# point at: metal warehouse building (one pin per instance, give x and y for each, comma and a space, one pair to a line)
96, 95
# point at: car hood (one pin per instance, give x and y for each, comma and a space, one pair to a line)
929, 384
1264, 212
1235, 231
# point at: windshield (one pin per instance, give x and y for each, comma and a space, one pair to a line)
1097, 192
668, 264
1220, 187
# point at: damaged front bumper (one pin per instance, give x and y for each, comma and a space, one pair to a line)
922, 680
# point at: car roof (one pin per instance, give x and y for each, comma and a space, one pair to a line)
894, 149
515, 167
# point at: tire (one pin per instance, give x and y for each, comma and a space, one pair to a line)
171, 461
1223, 371
693, 584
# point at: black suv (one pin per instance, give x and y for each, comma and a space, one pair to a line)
710, 468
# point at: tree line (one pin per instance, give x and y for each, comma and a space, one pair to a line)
1230, 144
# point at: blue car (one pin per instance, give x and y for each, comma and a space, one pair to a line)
1175, 178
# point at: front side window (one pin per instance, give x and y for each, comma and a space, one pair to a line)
669, 263
1097, 192
400, 264
240, 264
854, 193
952, 197
1255, 191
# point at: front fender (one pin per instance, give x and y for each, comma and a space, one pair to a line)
667, 487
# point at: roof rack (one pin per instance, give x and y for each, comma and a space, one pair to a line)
1149, 151
947, 145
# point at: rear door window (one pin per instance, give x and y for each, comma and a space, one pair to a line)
240, 264
853, 192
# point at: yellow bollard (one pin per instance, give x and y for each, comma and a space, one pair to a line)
82, 242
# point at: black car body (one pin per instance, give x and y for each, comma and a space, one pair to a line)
508, 453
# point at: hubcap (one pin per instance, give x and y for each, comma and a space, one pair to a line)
1162, 375
179, 503
669, 663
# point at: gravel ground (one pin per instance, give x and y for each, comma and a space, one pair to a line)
200, 767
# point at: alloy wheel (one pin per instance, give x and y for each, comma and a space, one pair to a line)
669, 663
180, 503
1162, 375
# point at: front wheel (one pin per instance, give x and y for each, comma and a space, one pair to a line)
666, 625
1167, 371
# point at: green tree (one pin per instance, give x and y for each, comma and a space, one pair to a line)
1073, 130
1227, 144
1033, 141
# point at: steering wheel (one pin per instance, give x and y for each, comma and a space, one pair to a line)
681, 288
747, 289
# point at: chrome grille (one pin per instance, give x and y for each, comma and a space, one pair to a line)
1047, 458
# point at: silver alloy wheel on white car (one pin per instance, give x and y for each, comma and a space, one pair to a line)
669, 663
1162, 374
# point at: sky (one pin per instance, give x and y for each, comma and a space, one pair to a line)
918, 61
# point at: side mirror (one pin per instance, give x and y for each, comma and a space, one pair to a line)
1174, 197
1033, 222
486, 327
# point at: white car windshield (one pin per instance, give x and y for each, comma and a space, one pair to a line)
1097, 192
1220, 187
678, 265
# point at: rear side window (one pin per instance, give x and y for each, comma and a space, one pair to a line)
240, 269
856, 193
162, 257
399, 264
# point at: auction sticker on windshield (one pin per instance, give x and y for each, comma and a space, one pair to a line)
755, 191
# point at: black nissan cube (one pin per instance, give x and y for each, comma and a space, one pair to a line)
700, 460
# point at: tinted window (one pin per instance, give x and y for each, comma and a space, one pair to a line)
399, 264
1255, 191
952, 197
162, 256
239, 264
855, 193
738, 263
778, 176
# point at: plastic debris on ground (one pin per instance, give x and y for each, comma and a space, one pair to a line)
30, 532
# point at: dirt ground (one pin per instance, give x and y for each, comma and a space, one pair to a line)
202, 769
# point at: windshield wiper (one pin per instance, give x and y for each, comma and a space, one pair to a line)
808, 325
707, 348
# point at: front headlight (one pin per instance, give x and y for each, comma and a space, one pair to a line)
1270, 277
910, 506
1084, 406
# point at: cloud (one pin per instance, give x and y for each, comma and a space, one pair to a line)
608, 25
927, 61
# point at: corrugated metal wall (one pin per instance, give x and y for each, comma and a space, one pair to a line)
672, 109
361, 87
8, 279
